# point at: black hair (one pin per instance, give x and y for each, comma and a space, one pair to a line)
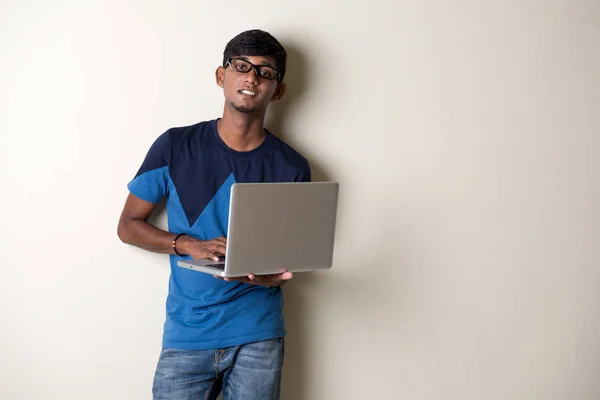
256, 42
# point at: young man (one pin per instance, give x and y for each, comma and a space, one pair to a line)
219, 334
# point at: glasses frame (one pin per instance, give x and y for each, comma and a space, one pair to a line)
253, 67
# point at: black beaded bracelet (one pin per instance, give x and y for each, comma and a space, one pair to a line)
175, 244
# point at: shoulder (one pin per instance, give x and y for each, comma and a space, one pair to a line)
290, 160
182, 135
289, 154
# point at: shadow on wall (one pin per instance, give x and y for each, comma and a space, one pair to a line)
296, 79
295, 292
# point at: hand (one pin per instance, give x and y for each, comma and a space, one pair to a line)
262, 280
199, 249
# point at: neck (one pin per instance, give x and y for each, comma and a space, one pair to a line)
241, 132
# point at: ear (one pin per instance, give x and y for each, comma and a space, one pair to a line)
279, 92
220, 76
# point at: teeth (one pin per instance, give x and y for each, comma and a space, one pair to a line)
248, 92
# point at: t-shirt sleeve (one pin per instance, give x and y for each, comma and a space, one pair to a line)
304, 175
151, 181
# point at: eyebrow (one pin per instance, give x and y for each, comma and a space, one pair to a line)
266, 64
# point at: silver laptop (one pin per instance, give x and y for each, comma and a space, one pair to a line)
275, 227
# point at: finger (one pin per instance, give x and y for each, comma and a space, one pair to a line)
264, 280
211, 255
220, 241
219, 249
242, 279
275, 279
286, 276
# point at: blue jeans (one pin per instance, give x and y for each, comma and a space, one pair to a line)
250, 371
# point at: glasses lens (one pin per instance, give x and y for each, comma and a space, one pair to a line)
267, 72
240, 65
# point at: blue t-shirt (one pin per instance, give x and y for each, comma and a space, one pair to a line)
195, 169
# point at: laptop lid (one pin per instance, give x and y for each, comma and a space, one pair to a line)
277, 226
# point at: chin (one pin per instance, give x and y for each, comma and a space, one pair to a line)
244, 109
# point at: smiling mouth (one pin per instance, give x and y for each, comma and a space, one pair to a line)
248, 92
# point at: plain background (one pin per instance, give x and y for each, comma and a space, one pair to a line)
465, 136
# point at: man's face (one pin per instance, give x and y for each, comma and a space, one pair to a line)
247, 92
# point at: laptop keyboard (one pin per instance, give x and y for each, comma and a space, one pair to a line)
217, 266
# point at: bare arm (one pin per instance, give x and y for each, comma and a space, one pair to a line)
134, 229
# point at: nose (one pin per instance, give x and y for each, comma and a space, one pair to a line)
252, 77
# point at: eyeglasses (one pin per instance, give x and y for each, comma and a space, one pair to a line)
243, 66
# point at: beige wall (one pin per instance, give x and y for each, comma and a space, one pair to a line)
466, 139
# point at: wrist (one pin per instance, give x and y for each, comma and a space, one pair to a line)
180, 244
